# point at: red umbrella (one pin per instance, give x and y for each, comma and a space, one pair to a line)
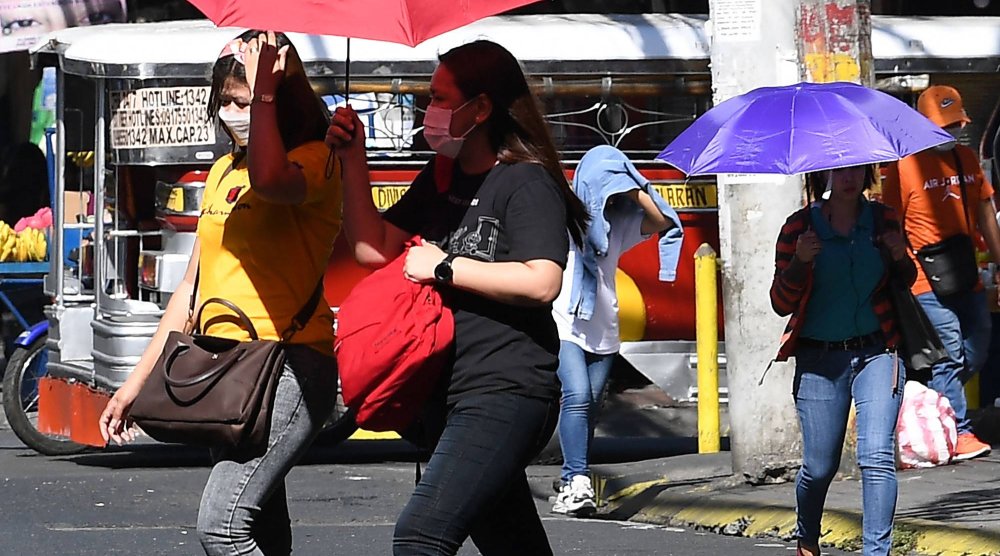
408, 22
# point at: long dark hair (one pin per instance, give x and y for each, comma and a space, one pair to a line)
302, 116
517, 130
816, 181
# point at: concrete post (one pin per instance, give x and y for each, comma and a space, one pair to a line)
758, 43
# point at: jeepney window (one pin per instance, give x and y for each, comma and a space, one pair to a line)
389, 118
639, 116
640, 125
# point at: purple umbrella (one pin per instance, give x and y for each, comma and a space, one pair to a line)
801, 128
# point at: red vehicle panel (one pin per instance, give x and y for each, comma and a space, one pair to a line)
669, 306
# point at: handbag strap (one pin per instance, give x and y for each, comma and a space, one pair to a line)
961, 185
301, 318
226, 363
299, 321
191, 323
244, 319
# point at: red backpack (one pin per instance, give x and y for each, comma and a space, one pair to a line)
393, 340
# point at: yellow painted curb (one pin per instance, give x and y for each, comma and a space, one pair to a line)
362, 434
840, 528
627, 492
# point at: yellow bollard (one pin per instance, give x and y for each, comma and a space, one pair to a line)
707, 322
972, 392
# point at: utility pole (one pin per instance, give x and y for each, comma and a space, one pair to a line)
757, 43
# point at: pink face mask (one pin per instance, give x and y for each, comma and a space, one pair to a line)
437, 131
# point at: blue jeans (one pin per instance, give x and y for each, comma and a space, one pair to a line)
583, 376
244, 509
475, 484
825, 382
963, 323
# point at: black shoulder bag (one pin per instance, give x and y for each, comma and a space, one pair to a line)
950, 264
920, 346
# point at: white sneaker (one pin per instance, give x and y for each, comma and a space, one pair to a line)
575, 497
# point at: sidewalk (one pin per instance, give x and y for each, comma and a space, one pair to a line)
948, 511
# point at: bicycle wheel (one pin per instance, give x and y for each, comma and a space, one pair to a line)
26, 367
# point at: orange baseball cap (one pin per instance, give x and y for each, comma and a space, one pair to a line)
942, 105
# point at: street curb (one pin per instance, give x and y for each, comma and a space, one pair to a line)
842, 528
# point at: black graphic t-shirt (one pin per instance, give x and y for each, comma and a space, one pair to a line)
513, 213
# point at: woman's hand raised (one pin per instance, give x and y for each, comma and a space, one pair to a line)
265, 64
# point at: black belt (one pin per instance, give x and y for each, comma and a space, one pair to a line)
848, 344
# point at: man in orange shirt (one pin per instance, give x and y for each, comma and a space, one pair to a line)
935, 205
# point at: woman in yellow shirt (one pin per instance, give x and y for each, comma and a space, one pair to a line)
268, 222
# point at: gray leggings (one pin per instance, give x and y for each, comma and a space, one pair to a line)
244, 509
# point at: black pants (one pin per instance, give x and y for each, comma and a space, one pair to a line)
475, 484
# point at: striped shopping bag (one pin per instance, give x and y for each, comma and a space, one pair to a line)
926, 434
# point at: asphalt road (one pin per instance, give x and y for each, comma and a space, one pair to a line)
143, 500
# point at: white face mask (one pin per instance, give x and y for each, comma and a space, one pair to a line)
238, 124
437, 131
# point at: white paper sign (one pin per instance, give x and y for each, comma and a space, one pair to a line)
753, 178
161, 117
736, 20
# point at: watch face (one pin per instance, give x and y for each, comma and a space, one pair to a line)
443, 271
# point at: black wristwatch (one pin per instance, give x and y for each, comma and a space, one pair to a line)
443, 272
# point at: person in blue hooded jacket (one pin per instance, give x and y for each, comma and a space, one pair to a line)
624, 210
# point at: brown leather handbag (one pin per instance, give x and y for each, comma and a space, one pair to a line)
216, 392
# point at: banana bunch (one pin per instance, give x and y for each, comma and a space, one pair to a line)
83, 159
29, 244
8, 240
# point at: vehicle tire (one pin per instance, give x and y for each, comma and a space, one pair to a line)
551, 454
341, 425
20, 400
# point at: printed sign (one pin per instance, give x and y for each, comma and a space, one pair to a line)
161, 117
23, 23
680, 196
689, 196
736, 20
386, 195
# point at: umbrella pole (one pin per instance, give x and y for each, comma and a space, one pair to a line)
347, 74
330, 160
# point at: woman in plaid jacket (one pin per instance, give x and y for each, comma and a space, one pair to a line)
832, 266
